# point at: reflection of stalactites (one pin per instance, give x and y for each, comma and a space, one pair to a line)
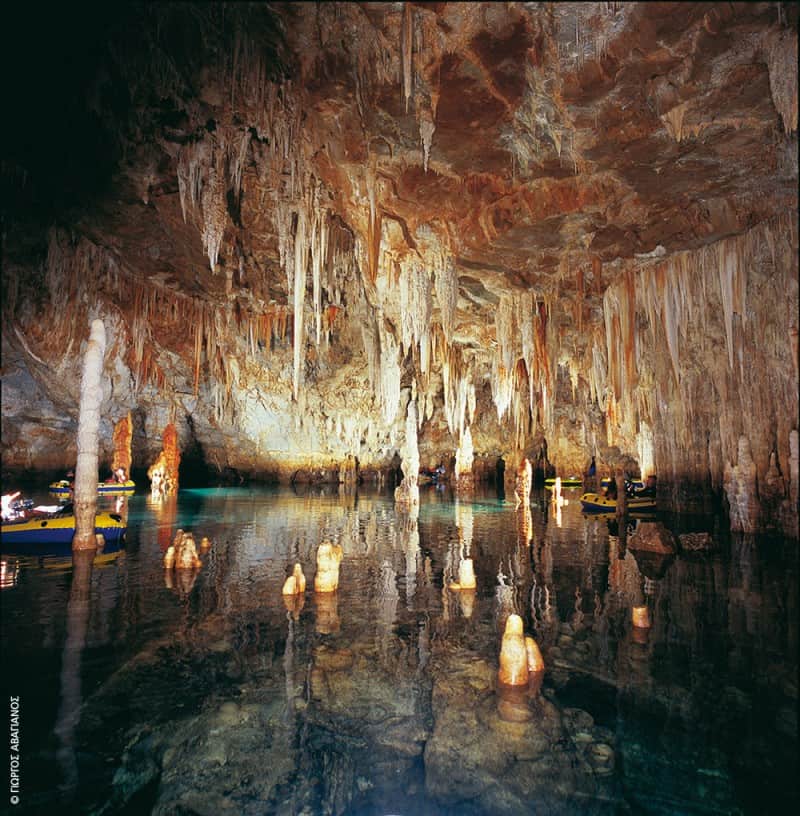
388, 596
504, 595
294, 604
464, 523
77, 620
522, 489
327, 604
288, 668
410, 535
423, 647
524, 526
578, 614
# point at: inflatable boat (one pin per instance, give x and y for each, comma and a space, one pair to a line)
566, 481
64, 488
54, 528
597, 503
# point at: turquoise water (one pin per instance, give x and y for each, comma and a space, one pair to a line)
143, 691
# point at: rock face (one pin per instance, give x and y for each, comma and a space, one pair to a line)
569, 228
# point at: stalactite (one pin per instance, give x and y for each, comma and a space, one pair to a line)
426, 131
406, 46
673, 120
781, 54
447, 296
389, 376
300, 260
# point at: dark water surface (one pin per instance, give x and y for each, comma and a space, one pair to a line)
201, 693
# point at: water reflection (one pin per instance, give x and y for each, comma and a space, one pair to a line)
381, 695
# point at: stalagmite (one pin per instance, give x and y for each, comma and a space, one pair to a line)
535, 659
295, 584
522, 490
466, 576
464, 460
329, 556
408, 491
513, 655
88, 426
169, 557
186, 557
640, 616
123, 434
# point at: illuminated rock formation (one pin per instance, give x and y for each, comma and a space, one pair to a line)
123, 434
329, 556
466, 576
522, 490
85, 492
482, 208
513, 655
295, 584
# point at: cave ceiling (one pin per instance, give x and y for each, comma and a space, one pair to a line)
535, 147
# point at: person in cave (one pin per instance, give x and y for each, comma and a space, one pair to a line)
592, 469
649, 489
611, 490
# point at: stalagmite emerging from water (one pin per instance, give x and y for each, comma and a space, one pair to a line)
169, 557
295, 584
641, 617
186, 554
329, 556
182, 553
513, 654
522, 490
466, 575
535, 659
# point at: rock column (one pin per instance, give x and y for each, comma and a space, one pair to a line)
86, 469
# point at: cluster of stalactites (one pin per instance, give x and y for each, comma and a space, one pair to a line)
389, 374
521, 367
688, 298
416, 310
207, 170
780, 46
459, 389
304, 229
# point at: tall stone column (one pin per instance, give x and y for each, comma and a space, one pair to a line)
407, 493
86, 469
464, 478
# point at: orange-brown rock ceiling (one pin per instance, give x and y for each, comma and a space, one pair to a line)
573, 223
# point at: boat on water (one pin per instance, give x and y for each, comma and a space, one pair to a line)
64, 488
566, 481
598, 503
47, 525
633, 485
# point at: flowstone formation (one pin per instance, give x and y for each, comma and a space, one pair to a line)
565, 227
